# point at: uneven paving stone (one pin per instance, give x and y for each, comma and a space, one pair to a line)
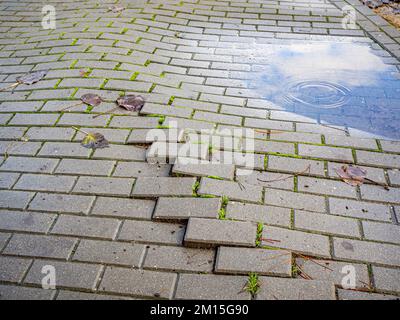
258, 213
8, 292
13, 269
328, 270
178, 259
40, 246
295, 289
325, 223
261, 261
381, 232
26, 221
211, 287
85, 167
295, 165
15, 199
328, 187
212, 232
366, 251
163, 186
386, 279
68, 275
265, 179
29, 164
61, 203
141, 169
162, 153
185, 208
37, 182
106, 252
103, 186
294, 200
297, 241
140, 283
359, 209
360, 295
224, 171
152, 232
124, 208
86, 226
232, 190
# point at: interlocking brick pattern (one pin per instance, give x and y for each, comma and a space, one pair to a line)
117, 223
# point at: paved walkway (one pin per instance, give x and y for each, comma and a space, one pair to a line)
120, 223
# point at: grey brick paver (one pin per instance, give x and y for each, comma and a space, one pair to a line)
386, 279
103, 186
163, 186
25, 221
127, 208
13, 269
8, 292
29, 164
61, 203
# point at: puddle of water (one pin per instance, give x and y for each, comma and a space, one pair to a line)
344, 84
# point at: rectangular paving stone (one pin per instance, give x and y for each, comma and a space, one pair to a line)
295, 165
260, 261
152, 232
134, 122
11, 133
162, 153
141, 169
64, 149
366, 251
232, 190
121, 152
360, 295
107, 252
328, 187
12, 292
25, 221
334, 271
140, 283
126, 208
178, 259
224, 171
19, 148
163, 186
294, 200
68, 275
258, 213
104, 186
185, 208
386, 279
359, 209
351, 142
34, 119
40, 246
82, 119
61, 203
265, 179
385, 232
15, 199
211, 287
85, 167
377, 193
213, 232
8, 179
50, 134
328, 153
91, 227
13, 269
391, 146
45, 183
297, 241
325, 223
29, 164
378, 159
295, 289
394, 177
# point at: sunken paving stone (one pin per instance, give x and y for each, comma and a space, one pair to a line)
361, 295
233, 190
86, 226
126, 281
386, 279
324, 223
13, 269
295, 289
258, 213
184, 208
211, 287
106, 252
296, 241
178, 259
163, 186
366, 251
328, 270
40, 246
261, 261
8, 292
68, 274
124, 208
213, 232
152, 232
26, 221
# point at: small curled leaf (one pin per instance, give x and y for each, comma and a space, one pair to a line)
131, 102
116, 9
91, 99
31, 78
95, 141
